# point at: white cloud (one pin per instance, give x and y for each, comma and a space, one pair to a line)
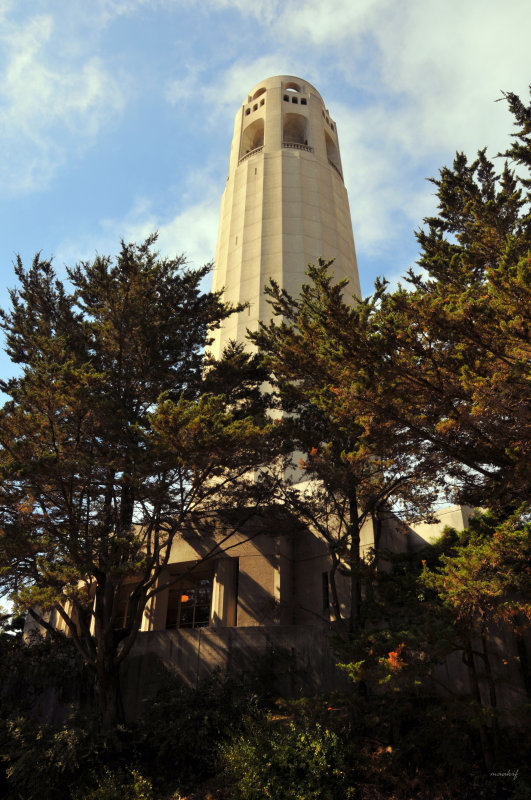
48, 103
191, 233
191, 230
264, 10
224, 93
332, 22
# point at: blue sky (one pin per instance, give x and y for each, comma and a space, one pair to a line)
116, 115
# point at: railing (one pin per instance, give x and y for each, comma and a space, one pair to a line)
336, 168
297, 146
251, 153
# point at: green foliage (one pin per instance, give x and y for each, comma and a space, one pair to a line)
287, 762
44, 761
117, 785
486, 576
320, 351
456, 341
183, 728
31, 672
109, 442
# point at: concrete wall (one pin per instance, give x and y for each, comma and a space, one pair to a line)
300, 660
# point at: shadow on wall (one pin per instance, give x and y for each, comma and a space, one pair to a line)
300, 660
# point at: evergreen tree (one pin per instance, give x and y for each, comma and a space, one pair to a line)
457, 343
353, 464
108, 444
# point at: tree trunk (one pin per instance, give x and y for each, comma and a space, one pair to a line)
109, 701
492, 694
333, 589
523, 658
484, 733
354, 559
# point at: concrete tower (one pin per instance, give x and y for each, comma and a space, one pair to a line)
284, 204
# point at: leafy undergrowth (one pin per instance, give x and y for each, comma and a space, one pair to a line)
226, 741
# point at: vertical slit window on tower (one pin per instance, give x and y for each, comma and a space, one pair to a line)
262, 102
255, 106
247, 111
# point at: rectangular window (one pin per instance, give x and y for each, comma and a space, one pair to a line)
303, 101
189, 602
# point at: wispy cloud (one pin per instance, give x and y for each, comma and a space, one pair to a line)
43, 94
189, 230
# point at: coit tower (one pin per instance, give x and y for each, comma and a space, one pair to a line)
284, 204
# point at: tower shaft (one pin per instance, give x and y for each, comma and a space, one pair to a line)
284, 204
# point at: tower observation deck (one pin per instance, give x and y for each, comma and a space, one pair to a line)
284, 204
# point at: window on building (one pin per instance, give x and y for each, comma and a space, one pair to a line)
190, 601
262, 102
255, 106
286, 98
294, 100
303, 101
247, 111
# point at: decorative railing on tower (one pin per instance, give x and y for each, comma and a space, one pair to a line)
297, 146
251, 153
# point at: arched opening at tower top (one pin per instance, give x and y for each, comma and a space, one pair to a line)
332, 152
292, 87
252, 137
295, 130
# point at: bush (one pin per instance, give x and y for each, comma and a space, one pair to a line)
287, 762
182, 729
118, 786
47, 762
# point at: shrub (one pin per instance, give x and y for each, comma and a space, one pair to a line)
118, 786
47, 762
287, 762
182, 729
